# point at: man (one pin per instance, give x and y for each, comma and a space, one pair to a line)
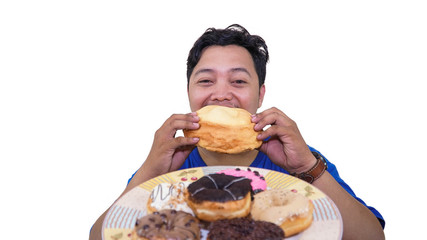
227, 67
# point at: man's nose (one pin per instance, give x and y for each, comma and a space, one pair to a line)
222, 92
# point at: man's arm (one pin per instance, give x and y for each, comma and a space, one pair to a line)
286, 148
95, 232
138, 178
359, 221
167, 154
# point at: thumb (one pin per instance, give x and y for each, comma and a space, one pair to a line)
180, 156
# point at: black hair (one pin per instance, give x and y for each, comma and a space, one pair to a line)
232, 35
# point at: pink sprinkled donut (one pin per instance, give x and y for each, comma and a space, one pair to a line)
258, 182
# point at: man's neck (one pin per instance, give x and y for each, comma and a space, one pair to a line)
217, 159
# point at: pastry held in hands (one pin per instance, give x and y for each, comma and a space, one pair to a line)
225, 130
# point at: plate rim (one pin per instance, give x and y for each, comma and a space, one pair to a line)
210, 170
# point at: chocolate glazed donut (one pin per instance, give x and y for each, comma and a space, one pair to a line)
219, 188
220, 196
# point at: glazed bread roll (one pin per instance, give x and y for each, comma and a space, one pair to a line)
225, 130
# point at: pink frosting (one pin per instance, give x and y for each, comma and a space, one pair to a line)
258, 182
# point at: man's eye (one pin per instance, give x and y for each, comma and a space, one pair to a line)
239, 81
205, 81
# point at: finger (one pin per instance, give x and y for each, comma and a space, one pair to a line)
183, 142
271, 118
180, 156
178, 122
191, 117
184, 125
272, 131
266, 112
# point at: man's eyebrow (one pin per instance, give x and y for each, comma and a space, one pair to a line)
240, 69
232, 70
203, 70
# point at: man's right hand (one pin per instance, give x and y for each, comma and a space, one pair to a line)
168, 152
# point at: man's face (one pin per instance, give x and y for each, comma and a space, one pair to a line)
225, 75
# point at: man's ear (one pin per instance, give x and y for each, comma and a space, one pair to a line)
261, 95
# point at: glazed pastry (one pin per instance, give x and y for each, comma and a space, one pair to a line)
258, 181
168, 196
167, 224
293, 212
220, 196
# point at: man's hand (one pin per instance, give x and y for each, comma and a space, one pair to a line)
168, 152
285, 146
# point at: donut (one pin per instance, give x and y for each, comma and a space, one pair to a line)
219, 196
166, 224
244, 229
293, 212
168, 196
225, 130
258, 181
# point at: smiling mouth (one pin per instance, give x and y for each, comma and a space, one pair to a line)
224, 104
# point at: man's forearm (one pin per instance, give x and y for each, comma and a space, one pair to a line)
138, 178
359, 221
95, 232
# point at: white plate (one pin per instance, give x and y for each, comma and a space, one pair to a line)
121, 218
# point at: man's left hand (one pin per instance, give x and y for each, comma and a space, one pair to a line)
282, 141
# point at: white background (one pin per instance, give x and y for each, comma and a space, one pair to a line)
85, 84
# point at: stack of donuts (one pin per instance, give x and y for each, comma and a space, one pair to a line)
231, 204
